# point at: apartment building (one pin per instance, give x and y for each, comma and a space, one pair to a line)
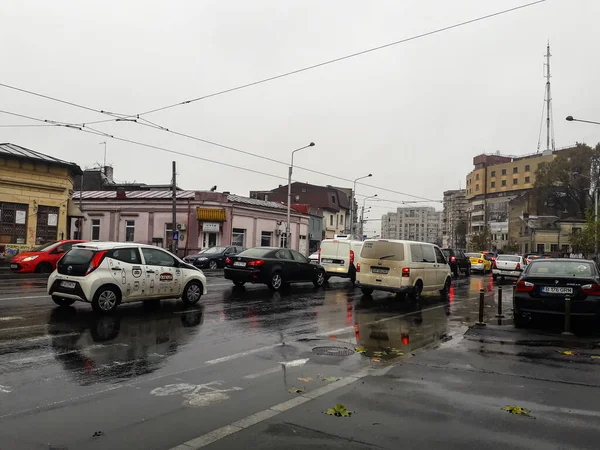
454, 213
414, 224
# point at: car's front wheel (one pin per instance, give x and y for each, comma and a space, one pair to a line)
44, 268
320, 280
60, 301
192, 293
445, 293
106, 300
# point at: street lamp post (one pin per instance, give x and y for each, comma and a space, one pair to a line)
352, 204
289, 202
363, 213
573, 119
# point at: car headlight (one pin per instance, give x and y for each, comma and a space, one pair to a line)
29, 258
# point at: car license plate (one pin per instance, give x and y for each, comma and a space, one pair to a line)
67, 284
557, 290
327, 261
379, 270
239, 264
14, 266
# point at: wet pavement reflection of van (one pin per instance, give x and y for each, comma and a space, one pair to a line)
130, 343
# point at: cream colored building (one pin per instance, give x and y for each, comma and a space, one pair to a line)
35, 193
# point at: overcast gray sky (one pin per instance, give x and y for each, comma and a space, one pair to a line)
414, 114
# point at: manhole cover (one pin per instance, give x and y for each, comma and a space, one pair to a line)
333, 351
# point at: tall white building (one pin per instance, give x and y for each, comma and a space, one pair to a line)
413, 223
455, 212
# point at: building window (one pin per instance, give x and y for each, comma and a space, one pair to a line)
331, 219
476, 187
238, 237
333, 199
527, 179
527, 168
13, 223
476, 177
95, 229
503, 171
493, 174
341, 220
515, 181
515, 170
503, 182
266, 238
493, 184
553, 247
540, 248
129, 230
47, 224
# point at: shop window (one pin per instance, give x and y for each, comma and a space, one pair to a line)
553, 247
13, 223
266, 238
541, 248
95, 229
47, 224
238, 237
129, 230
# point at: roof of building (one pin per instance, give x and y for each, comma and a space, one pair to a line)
22, 153
254, 202
108, 195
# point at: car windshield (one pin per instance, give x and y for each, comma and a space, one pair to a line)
258, 252
508, 258
474, 255
45, 247
213, 250
555, 268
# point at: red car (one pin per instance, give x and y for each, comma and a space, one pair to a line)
42, 259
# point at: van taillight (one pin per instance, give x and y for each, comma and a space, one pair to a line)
406, 271
351, 256
358, 267
96, 260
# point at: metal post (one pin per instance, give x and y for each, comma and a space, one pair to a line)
500, 315
352, 210
174, 218
567, 331
481, 323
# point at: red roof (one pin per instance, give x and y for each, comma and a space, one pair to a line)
302, 208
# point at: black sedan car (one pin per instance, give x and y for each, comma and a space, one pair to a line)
273, 266
545, 283
458, 261
213, 257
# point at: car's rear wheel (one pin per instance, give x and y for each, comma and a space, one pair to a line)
239, 283
212, 265
468, 272
456, 272
276, 282
44, 268
192, 293
106, 299
367, 291
60, 301
352, 274
320, 280
415, 296
519, 321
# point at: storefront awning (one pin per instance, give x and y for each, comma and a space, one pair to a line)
211, 214
73, 210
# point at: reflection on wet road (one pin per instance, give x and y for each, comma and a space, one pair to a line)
239, 351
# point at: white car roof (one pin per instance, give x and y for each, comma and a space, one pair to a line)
111, 245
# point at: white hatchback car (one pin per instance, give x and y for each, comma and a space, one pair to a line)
108, 273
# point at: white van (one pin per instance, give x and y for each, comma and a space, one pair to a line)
403, 267
338, 257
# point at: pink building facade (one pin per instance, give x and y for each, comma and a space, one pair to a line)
204, 219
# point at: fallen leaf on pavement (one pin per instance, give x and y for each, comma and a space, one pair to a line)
339, 411
377, 353
98, 433
330, 379
517, 410
567, 352
360, 350
305, 380
296, 390
375, 360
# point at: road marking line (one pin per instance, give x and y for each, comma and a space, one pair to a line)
5, 389
21, 298
239, 355
295, 363
10, 318
249, 421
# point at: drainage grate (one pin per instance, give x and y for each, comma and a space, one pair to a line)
333, 351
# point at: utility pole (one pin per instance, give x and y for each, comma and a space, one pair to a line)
549, 141
174, 218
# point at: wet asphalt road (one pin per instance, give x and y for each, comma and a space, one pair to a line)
156, 375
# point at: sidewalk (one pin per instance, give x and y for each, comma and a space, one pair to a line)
450, 398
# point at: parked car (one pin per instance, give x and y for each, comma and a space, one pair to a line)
213, 257
106, 274
533, 256
458, 261
479, 262
42, 259
545, 283
403, 267
508, 266
272, 266
338, 257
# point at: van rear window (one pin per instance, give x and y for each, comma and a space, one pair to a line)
392, 251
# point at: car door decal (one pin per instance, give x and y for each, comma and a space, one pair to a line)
136, 271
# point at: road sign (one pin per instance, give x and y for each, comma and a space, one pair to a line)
175, 235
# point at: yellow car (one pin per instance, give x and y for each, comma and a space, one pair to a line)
479, 262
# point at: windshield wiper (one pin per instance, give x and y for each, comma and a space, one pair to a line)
387, 256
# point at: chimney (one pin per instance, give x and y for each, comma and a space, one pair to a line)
108, 174
121, 193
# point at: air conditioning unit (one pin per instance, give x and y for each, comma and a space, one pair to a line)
181, 227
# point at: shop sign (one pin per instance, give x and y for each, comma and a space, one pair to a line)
211, 227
